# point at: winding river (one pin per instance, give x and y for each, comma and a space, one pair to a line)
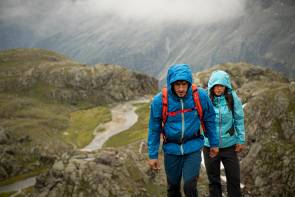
123, 117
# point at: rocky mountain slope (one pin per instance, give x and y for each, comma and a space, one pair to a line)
39, 90
267, 164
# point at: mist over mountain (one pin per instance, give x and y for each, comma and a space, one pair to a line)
150, 39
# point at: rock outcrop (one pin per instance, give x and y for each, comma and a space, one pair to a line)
268, 162
19, 158
107, 172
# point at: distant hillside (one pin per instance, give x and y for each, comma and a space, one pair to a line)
49, 75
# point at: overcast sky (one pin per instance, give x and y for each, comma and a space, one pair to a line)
46, 13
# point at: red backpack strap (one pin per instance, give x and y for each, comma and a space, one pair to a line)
198, 105
164, 110
164, 105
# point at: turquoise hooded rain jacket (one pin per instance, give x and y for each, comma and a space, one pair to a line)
225, 119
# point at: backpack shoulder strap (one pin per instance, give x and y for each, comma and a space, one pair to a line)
164, 105
164, 111
198, 105
232, 104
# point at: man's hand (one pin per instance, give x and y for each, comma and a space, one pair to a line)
154, 164
214, 151
239, 147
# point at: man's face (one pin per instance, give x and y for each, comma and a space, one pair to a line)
180, 88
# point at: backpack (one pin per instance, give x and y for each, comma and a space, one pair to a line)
197, 107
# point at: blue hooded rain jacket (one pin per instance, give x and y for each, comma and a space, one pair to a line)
183, 125
225, 119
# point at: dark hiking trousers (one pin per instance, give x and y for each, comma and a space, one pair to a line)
182, 166
230, 161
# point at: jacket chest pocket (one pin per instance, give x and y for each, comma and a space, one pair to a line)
226, 114
223, 113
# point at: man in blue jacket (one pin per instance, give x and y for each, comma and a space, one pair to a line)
183, 141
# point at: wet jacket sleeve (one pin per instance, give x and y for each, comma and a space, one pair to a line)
209, 119
239, 118
154, 131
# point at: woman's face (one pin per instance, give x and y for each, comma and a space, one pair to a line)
218, 90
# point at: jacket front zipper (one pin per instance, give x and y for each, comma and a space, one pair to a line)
220, 122
182, 126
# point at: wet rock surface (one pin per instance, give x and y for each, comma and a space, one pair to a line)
107, 172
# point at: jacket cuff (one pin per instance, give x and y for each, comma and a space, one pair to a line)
241, 142
214, 145
153, 156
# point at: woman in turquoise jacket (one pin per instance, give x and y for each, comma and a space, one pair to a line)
230, 128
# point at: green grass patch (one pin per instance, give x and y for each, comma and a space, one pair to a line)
21, 57
40, 90
83, 123
47, 122
137, 132
156, 190
30, 116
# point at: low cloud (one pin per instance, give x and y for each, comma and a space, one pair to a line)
55, 13
192, 11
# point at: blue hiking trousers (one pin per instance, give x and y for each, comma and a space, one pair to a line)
182, 166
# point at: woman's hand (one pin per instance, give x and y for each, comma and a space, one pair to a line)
213, 151
239, 147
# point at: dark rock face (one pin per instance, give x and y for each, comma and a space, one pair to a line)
267, 165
